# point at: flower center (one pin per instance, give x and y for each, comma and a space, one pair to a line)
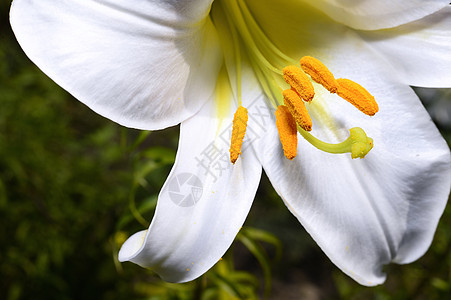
287, 87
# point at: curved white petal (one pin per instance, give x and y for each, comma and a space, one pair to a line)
420, 51
202, 205
365, 213
146, 64
377, 14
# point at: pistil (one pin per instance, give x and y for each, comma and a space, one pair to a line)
358, 143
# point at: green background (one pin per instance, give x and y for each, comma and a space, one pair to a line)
74, 185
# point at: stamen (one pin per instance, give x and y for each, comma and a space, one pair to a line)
358, 96
286, 125
238, 131
319, 73
299, 82
297, 109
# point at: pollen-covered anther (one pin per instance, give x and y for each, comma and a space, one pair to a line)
299, 81
358, 96
297, 108
319, 73
238, 131
286, 126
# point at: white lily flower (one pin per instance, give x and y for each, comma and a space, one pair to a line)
150, 64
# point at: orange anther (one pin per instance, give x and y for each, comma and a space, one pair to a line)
319, 73
358, 96
299, 81
286, 125
238, 131
297, 109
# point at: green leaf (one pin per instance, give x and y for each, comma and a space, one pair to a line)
262, 258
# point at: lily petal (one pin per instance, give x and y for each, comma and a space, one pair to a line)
365, 213
420, 51
377, 14
202, 205
147, 65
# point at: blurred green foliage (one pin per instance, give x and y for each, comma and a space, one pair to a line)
74, 186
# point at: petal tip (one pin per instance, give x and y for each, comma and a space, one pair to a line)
132, 246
